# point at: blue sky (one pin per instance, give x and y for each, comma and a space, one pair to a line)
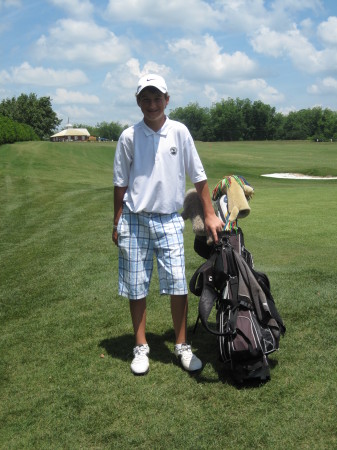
87, 55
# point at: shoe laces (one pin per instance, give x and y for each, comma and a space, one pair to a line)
140, 351
185, 351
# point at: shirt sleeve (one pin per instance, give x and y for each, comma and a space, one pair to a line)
123, 160
193, 164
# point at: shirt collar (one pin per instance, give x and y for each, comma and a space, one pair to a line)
162, 132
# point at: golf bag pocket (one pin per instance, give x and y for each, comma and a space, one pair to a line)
249, 341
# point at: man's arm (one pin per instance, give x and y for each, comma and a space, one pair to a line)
118, 206
212, 222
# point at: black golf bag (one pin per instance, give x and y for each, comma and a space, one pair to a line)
248, 326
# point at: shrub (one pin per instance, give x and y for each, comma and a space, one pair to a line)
11, 131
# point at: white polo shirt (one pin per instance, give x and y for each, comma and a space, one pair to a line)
153, 166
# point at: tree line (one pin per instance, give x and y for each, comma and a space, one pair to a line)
39, 115
227, 120
244, 120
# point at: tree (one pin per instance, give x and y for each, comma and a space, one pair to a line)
196, 119
325, 124
227, 121
330, 124
263, 118
33, 111
110, 131
295, 126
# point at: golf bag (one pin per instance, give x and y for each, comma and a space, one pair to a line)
248, 325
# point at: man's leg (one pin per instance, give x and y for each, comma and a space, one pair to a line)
140, 362
138, 316
179, 308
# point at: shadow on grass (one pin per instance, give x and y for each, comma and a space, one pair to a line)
121, 346
204, 344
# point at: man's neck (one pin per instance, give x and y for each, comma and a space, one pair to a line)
155, 125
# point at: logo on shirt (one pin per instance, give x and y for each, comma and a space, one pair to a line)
173, 150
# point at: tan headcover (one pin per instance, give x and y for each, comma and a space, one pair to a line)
238, 193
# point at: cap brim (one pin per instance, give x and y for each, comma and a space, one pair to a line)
154, 84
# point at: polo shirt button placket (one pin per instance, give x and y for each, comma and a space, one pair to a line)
156, 138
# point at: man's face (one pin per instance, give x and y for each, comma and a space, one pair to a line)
152, 102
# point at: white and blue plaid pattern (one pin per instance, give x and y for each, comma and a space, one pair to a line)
140, 237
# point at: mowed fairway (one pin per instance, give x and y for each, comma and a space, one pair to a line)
66, 336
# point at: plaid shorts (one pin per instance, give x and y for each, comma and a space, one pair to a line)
140, 237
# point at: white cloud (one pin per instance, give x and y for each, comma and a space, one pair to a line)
326, 86
199, 15
122, 82
254, 89
276, 44
308, 28
327, 31
287, 109
4, 77
297, 47
123, 78
260, 89
75, 8
127, 75
204, 59
63, 96
213, 73
248, 15
74, 40
211, 93
40, 76
77, 114
243, 15
190, 14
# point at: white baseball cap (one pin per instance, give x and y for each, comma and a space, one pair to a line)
152, 80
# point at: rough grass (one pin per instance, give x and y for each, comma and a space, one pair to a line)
60, 311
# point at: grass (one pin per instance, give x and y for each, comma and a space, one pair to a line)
60, 311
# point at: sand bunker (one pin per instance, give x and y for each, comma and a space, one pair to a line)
297, 176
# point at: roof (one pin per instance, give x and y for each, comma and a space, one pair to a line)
72, 132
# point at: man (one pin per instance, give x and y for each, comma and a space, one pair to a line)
150, 163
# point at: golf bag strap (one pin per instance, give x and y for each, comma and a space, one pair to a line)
196, 324
202, 284
210, 294
233, 275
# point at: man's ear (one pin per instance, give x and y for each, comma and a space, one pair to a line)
167, 98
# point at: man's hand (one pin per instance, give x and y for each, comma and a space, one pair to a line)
118, 206
115, 237
213, 224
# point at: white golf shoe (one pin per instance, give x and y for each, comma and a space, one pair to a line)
140, 362
188, 361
